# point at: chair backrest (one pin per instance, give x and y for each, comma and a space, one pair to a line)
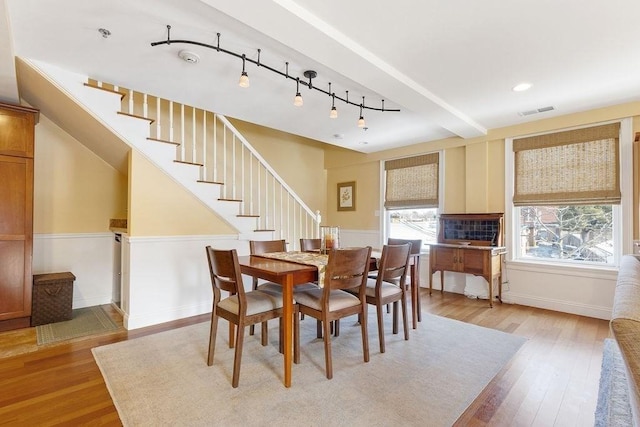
416, 245
347, 268
394, 264
310, 244
257, 247
225, 273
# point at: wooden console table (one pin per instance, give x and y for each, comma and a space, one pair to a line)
485, 261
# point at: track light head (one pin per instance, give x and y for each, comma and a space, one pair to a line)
244, 77
333, 114
244, 80
297, 101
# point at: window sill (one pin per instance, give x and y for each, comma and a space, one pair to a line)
592, 271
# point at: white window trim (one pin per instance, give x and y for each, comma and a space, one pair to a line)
623, 213
384, 224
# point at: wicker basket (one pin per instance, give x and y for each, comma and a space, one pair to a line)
52, 298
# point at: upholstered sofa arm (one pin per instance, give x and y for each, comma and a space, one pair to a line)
625, 325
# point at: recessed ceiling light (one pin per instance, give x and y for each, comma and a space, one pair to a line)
521, 87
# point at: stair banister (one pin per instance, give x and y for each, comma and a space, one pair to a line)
268, 167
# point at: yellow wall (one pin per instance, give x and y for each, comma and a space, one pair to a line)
299, 161
74, 190
158, 206
474, 168
367, 178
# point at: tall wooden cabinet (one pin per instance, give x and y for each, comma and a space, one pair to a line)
17, 125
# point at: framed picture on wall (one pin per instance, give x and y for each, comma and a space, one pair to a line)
347, 196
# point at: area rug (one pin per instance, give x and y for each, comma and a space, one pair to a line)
163, 379
85, 321
613, 408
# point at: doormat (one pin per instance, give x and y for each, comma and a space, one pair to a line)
85, 321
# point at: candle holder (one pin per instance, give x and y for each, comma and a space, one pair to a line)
330, 238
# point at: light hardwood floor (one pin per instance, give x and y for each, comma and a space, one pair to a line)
552, 380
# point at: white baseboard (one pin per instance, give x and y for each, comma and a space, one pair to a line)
151, 317
598, 312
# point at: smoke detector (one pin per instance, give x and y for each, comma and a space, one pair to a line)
188, 56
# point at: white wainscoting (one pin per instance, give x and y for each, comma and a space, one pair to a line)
167, 278
586, 292
88, 256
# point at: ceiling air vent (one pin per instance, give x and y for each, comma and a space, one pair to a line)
536, 111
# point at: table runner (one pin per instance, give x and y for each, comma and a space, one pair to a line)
307, 258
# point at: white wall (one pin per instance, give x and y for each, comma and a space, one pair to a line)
88, 256
167, 278
586, 292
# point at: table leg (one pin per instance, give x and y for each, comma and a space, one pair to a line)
287, 298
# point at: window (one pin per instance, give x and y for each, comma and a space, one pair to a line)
413, 224
411, 197
567, 196
568, 233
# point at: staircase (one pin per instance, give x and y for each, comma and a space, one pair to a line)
204, 153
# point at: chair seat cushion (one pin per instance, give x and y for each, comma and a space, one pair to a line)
386, 289
270, 288
337, 299
304, 288
257, 302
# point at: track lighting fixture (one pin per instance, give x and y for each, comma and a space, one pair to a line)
310, 74
244, 77
297, 101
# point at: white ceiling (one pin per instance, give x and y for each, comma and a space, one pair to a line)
449, 66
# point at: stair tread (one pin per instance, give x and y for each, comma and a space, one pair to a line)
188, 163
135, 116
122, 95
163, 140
210, 182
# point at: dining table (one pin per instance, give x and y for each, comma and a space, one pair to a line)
287, 274
294, 268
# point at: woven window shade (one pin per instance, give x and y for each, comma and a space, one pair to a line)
412, 182
577, 167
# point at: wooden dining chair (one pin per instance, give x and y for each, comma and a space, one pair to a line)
413, 274
240, 308
346, 268
258, 247
310, 245
385, 289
